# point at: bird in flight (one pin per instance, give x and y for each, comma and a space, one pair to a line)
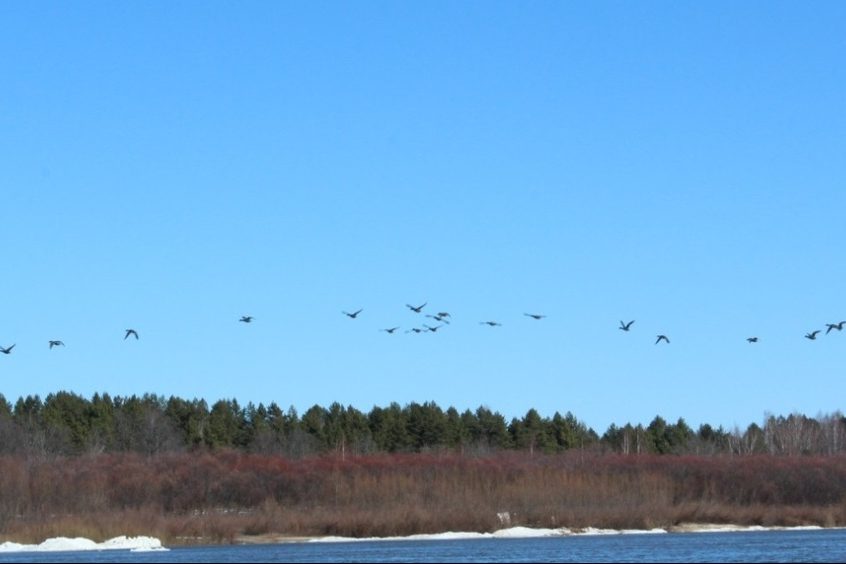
439, 318
752, 339
352, 315
838, 326
662, 338
6, 350
625, 326
56, 344
812, 335
432, 329
246, 319
534, 315
417, 309
130, 332
415, 329
491, 323
391, 330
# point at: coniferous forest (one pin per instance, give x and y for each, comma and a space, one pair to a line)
68, 424
186, 472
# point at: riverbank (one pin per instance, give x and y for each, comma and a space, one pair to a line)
228, 497
149, 544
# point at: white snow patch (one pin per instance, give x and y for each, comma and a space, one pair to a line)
527, 533
64, 544
509, 533
707, 528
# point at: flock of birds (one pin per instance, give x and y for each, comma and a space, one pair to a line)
444, 318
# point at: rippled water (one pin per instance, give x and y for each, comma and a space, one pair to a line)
767, 546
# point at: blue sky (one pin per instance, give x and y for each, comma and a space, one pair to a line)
173, 166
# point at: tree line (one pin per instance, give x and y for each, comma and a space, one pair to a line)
65, 423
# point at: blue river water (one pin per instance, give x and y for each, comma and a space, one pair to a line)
827, 545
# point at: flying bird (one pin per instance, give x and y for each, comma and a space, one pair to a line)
6, 350
415, 329
130, 332
534, 315
812, 335
246, 319
752, 339
662, 338
416, 309
625, 326
352, 315
838, 326
491, 323
391, 330
56, 344
432, 329
439, 318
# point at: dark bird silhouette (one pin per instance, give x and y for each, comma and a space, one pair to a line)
56, 344
534, 315
246, 319
6, 350
130, 332
439, 318
625, 326
391, 330
812, 335
432, 329
417, 309
662, 338
838, 326
491, 323
415, 329
443, 314
352, 315
752, 339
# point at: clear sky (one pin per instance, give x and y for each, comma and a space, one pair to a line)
172, 166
